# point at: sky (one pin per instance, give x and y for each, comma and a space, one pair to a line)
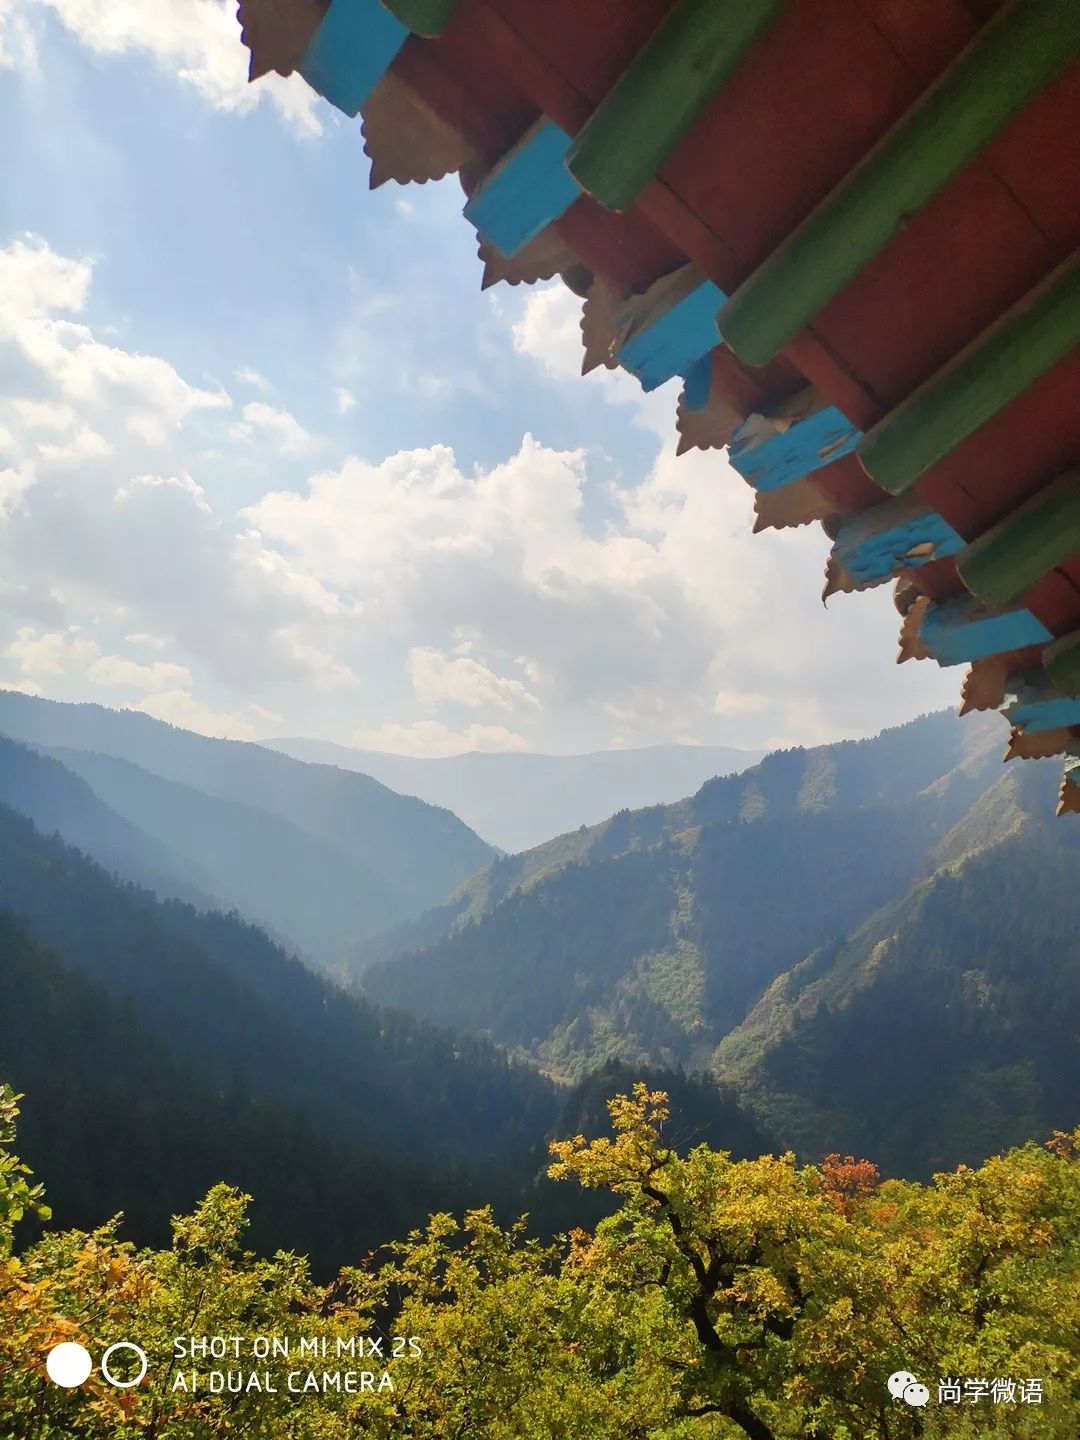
272, 464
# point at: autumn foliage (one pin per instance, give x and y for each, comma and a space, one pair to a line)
722, 1299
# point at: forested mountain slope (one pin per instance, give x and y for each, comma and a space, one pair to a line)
123, 1125
888, 770
162, 1050
652, 935
401, 854
60, 802
948, 1024
222, 996
304, 888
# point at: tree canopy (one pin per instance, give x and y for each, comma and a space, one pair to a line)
723, 1298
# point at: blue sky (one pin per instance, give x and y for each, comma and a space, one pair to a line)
271, 463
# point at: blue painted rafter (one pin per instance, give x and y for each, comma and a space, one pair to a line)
672, 341
1034, 706
893, 536
528, 189
959, 630
351, 51
769, 460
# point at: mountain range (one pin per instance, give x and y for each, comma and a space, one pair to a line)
874, 941
517, 801
319, 855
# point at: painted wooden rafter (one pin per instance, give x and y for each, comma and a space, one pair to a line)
542, 258
278, 32
790, 440
406, 140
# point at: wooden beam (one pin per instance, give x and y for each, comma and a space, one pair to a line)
960, 629
277, 32
691, 56
1005, 562
405, 140
423, 17
771, 450
1034, 706
528, 189
351, 51
901, 534
1022, 345
1061, 661
1020, 51
670, 327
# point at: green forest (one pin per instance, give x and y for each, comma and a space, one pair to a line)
718, 1299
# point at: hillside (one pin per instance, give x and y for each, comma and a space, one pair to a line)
655, 937
122, 1125
727, 888
61, 802
223, 997
303, 888
948, 1024
518, 801
391, 856
162, 1050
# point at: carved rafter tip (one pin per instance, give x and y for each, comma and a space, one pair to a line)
984, 685
800, 503
911, 644
541, 259
599, 319
1036, 746
277, 32
406, 141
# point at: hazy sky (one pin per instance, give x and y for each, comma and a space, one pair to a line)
270, 463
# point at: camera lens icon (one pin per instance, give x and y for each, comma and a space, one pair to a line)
70, 1365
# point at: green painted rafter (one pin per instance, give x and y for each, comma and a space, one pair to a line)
1001, 565
1017, 54
691, 56
967, 392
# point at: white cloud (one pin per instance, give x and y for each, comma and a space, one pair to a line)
438, 679
247, 376
548, 330
183, 484
738, 702
198, 41
344, 400
18, 45
85, 444
180, 707
37, 287
280, 428
21, 687
43, 414
52, 653
429, 739
129, 674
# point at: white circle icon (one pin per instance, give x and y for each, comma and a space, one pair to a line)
68, 1365
899, 1382
916, 1394
110, 1352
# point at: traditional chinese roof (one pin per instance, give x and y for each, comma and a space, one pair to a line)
849, 226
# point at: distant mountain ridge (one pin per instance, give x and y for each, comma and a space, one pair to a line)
321, 855
518, 800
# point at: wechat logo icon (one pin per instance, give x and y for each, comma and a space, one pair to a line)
904, 1386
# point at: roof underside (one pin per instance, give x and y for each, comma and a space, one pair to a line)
850, 226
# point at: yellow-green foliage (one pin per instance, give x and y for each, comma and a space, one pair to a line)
722, 1299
